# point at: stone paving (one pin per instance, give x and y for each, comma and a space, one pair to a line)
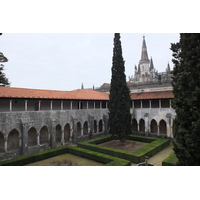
160, 156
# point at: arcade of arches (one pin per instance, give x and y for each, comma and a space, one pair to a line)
154, 127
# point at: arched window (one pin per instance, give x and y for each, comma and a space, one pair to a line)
100, 126
154, 126
1, 142
142, 125
32, 137
13, 140
134, 125
162, 127
78, 129
95, 126
58, 135
85, 128
44, 135
67, 133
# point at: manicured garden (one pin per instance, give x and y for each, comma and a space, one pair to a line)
93, 150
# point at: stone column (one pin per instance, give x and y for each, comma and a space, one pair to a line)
106, 104
26, 105
146, 119
94, 105
170, 103
38, 139
100, 104
5, 144
24, 137
81, 130
63, 137
75, 121
53, 133
91, 133
51, 105
61, 105
39, 105
10, 108
71, 102
141, 104
71, 135
87, 105
168, 122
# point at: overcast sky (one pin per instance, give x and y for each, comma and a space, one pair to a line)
63, 61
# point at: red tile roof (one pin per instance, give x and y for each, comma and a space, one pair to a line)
10, 92
80, 94
153, 95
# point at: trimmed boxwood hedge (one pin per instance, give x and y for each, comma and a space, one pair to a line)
170, 160
99, 157
154, 146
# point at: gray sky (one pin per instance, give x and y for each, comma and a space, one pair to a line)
63, 61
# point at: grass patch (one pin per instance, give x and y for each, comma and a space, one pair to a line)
170, 160
99, 157
154, 146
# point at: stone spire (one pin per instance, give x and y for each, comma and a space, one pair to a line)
168, 68
151, 65
144, 55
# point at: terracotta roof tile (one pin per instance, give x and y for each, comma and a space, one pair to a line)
10, 92
153, 95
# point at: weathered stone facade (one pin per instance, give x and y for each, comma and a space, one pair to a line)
25, 132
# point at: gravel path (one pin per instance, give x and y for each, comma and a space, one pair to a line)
160, 156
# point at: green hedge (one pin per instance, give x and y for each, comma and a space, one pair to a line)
99, 157
137, 156
170, 160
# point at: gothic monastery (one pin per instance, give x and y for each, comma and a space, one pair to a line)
33, 120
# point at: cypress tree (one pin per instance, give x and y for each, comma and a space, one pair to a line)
186, 89
3, 79
119, 102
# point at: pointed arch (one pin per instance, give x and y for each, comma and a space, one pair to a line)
1, 142
85, 128
95, 126
44, 135
13, 140
142, 125
100, 125
162, 127
154, 126
32, 137
67, 133
58, 135
134, 125
78, 129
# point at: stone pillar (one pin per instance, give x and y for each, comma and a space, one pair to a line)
159, 103
91, 133
81, 130
39, 105
146, 119
26, 105
51, 105
100, 104
71, 105
61, 105
24, 137
75, 121
10, 108
106, 104
168, 122
149, 103
5, 144
170, 103
141, 104
71, 136
38, 139
94, 105
53, 133
87, 105
79, 105
63, 137
105, 122
133, 104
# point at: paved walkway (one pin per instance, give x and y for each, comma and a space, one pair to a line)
160, 156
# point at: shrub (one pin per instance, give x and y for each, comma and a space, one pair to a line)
170, 160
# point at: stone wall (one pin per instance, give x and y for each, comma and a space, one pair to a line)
31, 131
